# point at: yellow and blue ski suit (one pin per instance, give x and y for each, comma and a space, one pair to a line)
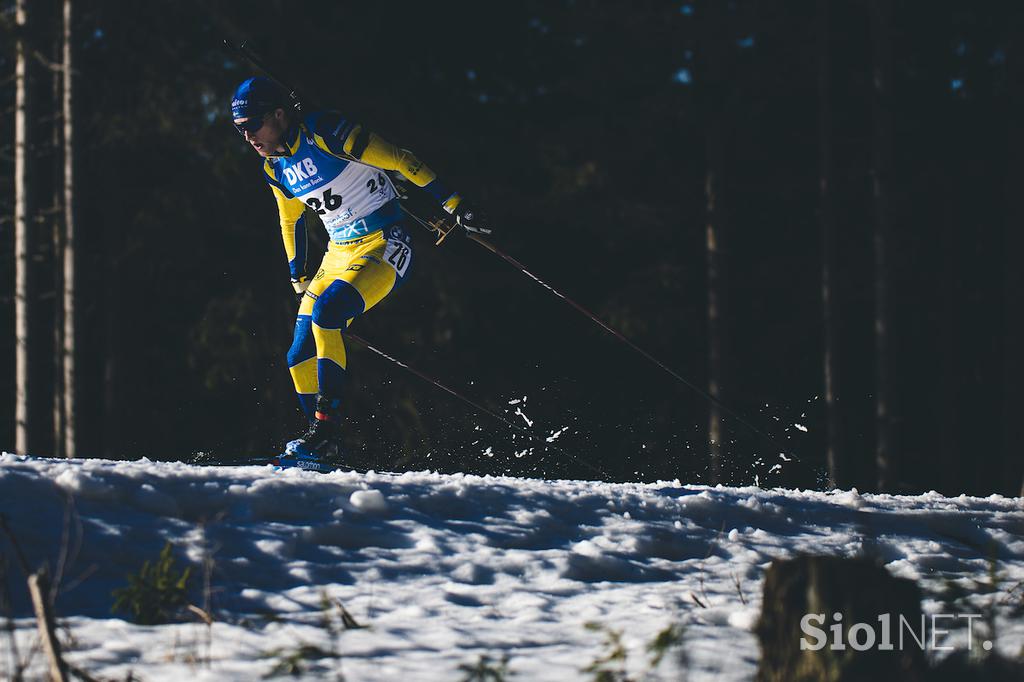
335, 168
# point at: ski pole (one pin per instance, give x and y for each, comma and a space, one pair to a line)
426, 378
522, 268
433, 226
515, 427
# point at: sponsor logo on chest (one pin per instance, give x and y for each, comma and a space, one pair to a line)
303, 170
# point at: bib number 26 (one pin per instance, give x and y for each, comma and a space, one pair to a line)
330, 202
398, 255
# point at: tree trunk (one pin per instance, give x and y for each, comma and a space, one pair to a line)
713, 87
881, 49
57, 223
112, 427
22, 227
859, 591
68, 351
830, 311
714, 330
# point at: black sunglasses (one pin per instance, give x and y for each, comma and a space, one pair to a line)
253, 124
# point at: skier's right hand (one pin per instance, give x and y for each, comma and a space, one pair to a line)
300, 285
471, 219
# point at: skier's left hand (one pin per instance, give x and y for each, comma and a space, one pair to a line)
472, 220
300, 286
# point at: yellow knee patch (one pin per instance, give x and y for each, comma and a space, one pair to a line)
329, 345
304, 376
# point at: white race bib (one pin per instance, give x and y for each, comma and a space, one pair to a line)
398, 255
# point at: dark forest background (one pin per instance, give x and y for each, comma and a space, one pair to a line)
583, 129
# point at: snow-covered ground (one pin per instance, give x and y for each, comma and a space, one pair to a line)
445, 569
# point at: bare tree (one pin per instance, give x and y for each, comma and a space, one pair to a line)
881, 50
68, 243
22, 230
57, 223
826, 208
711, 231
713, 56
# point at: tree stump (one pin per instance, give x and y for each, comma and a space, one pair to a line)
861, 592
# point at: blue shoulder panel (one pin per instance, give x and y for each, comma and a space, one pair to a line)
270, 172
332, 127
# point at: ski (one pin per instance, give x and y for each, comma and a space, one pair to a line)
283, 462
204, 459
279, 463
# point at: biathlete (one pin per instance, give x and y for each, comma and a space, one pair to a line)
335, 167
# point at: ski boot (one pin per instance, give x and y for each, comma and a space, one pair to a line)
319, 448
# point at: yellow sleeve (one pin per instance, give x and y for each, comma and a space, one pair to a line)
371, 148
382, 154
293, 232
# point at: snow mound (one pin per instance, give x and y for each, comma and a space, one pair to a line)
368, 501
447, 568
